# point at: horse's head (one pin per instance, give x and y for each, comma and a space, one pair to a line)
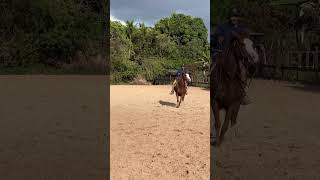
243, 47
184, 77
187, 76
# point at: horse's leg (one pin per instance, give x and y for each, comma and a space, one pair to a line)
227, 119
178, 101
181, 97
217, 121
235, 114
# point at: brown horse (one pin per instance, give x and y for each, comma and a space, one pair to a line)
180, 89
226, 84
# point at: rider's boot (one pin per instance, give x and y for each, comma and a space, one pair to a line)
173, 85
172, 91
245, 98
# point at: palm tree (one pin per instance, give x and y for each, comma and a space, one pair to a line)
143, 30
130, 28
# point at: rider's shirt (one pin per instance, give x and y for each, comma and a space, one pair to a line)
179, 72
226, 30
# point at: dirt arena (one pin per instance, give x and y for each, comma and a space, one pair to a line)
52, 127
276, 138
152, 139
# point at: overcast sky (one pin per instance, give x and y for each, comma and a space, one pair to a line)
150, 11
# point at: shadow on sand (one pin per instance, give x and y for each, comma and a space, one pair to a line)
306, 87
165, 103
205, 88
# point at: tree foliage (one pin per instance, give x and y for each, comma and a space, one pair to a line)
137, 50
50, 31
278, 20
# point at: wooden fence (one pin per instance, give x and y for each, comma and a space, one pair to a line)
292, 66
198, 80
282, 65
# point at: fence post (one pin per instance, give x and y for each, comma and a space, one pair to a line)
287, 61
299, 64
316, 62
307, 59
316, 58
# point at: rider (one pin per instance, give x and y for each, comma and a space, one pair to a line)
179, 73
222, 39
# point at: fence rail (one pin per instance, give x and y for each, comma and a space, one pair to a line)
292, 65
288, 65
168, 79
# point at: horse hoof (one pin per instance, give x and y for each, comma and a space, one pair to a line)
237, 133
211, 136
215, 143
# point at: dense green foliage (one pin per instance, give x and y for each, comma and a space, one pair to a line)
54, 33
283, 29
278, 19
140, 51
261, 15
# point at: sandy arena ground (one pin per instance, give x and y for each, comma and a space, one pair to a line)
52, 127
276, 138
151, 139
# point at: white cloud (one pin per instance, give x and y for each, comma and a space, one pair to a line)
180, 11
112, 18
150, 11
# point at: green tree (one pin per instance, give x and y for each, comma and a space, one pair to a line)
50, 32
150, 51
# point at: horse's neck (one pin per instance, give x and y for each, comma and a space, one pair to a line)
227, 65
180, 81
226, 54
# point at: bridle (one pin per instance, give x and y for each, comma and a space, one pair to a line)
182, 77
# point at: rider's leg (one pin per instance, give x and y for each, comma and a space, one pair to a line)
245, 98
173, 85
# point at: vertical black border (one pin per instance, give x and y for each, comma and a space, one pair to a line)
212, 154
106, 47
